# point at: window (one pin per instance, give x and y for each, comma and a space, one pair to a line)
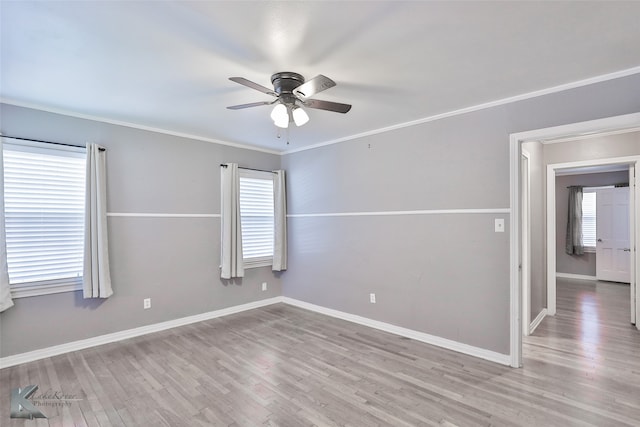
589, 219
44, 217
257, 217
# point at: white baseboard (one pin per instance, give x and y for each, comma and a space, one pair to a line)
30, 356
575, 276
503, 359
537, 320
17, 359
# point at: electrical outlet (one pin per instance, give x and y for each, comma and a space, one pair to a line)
372, 298
264, 286
146, 303
499, 225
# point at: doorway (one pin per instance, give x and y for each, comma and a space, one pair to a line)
629, 163
612, 124
552, 171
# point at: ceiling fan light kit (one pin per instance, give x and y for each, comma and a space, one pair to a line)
280, 116
300, 116
292, 92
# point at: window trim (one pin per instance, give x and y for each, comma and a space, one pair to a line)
42, 287
257, 261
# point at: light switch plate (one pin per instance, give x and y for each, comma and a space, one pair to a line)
499, 225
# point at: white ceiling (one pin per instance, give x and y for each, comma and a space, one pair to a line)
166, 64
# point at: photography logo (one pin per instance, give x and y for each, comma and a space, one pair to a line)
25, 403
21, 407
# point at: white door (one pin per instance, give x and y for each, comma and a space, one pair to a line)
613, 248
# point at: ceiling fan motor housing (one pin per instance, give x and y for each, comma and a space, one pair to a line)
284, 83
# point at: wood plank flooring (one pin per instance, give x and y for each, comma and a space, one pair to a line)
284, 366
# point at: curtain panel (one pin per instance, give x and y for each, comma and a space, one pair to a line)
5, 289
280, 221
96, 277
574, 243
231, 264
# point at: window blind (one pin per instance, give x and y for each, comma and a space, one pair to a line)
589, 219
44, 213
256, 216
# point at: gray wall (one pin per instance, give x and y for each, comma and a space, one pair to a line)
594, 148
174, 261
446, 274
578, 264
537, 210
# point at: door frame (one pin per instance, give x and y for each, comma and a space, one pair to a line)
634, 206
525, 260
630, 161
609, 124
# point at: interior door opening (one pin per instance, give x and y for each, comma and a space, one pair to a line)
616, 250
574, 131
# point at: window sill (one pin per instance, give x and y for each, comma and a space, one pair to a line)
589, 250
47, 287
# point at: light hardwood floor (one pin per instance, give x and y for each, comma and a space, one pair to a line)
284, 366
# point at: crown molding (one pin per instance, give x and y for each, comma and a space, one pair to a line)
133, 125
503, 101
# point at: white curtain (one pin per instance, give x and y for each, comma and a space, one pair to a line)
96, 277
231, 231
280, 222
5, 290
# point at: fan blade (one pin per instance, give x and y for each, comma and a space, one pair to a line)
253, 104
313, 86
253, 85
327, 105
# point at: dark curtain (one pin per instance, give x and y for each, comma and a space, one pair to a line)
575, 245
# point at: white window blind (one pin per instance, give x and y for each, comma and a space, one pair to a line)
589, 219
256, 215
44, 214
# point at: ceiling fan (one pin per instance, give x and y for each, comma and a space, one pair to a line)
292, 93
